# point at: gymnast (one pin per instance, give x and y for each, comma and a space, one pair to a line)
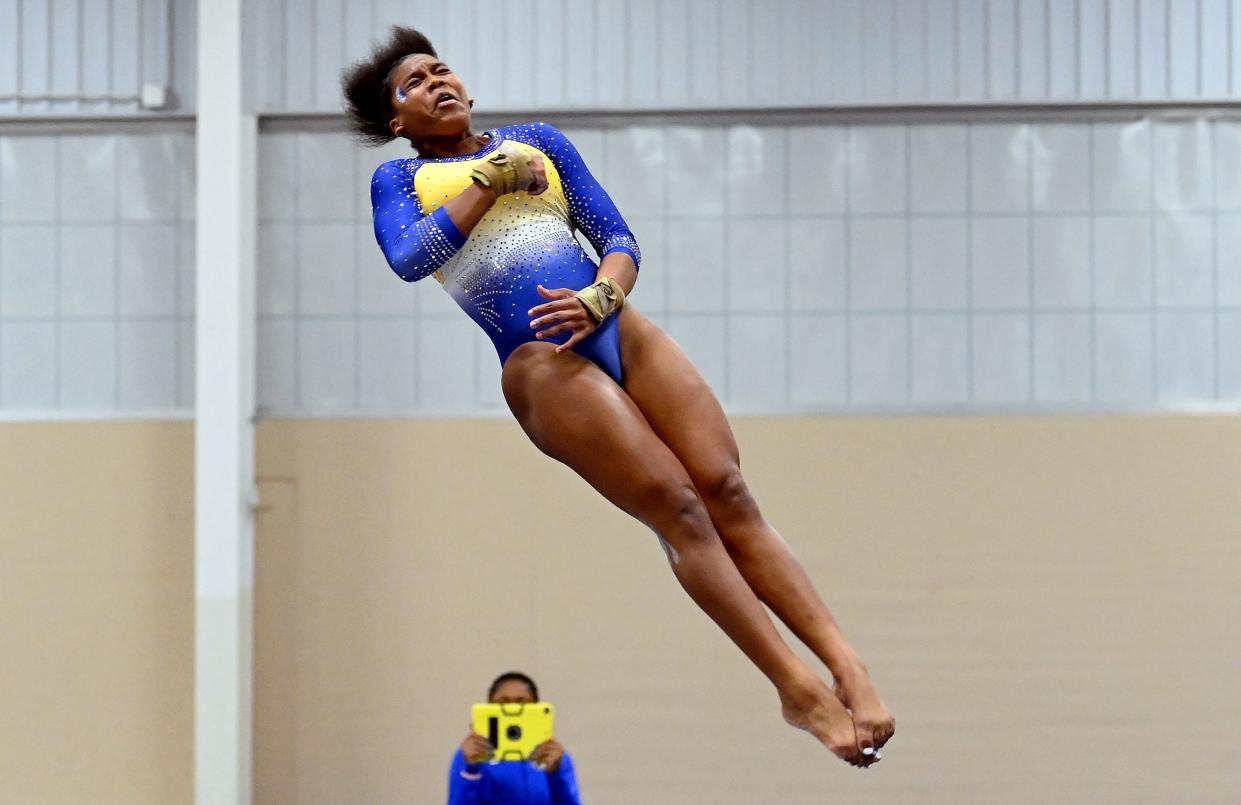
594, 383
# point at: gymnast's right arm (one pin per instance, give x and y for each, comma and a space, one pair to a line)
416, 245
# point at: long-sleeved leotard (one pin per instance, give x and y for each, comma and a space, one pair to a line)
523, 240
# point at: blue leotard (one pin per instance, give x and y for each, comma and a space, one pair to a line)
523, 240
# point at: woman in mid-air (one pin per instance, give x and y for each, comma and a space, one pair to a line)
592, 381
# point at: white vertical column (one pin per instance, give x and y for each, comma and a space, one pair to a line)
224, 406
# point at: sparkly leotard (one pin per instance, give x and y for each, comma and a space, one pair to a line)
523, 240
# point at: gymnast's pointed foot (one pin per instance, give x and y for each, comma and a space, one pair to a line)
811, 706
872, 721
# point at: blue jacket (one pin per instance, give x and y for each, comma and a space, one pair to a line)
511, 783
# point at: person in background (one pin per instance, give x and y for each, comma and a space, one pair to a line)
547, 778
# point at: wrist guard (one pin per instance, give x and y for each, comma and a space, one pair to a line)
505, 171
602, 299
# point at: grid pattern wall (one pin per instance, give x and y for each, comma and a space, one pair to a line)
1032, 267
96, 275
662, 54
91, 57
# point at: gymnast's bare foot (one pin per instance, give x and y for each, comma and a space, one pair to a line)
810, 705
872, 722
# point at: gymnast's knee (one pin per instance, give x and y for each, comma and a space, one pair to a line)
728, 498
676, 511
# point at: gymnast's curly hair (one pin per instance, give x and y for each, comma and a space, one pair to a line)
368, 98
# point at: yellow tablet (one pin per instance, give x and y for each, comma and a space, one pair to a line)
514, 729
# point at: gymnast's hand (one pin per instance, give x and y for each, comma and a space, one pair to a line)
510, 170
476, 749
565, 313
538, 175
547, 756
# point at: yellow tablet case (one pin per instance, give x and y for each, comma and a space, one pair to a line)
514, 729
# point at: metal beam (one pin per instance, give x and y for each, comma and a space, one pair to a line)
224, 404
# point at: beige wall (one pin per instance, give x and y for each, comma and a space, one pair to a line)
96, 613
1049, 604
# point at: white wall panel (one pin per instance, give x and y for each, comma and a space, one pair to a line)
971, 56
34, 53
1234, 48
939, 358
88, 358
818, 361
1152, 48
1026, 265
1060, 262
643, 55
65, 61
1063, 53
295, 45
1122, 49
10, 56
757, 374
1183, 40
156, 59
1213, 60
1229, 358
911, 52
600, 54
94, 313
490, 69
1000, 359
846, 78
1033, 59
611, 58
939, 263
878, 50
803, 53
148, 366
700, 336
68, 57
28, 272
520, 23
818, 268
675, 54
579, 49
878, 361
1185, 355
328, 51
27, 365
1124, 365
1017, 230
1062, 362
126, 41
1092, 40
549, 60
1002, 51
878, 270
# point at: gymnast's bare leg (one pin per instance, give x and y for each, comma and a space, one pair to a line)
686, 417
577, 414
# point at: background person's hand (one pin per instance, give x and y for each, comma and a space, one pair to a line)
564, 313
547, 756
476, 748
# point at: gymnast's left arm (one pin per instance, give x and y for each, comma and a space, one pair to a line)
592, 211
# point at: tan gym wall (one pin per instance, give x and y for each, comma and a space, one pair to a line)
1047, 603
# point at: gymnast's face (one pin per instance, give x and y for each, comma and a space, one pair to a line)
428, 100
513, 691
